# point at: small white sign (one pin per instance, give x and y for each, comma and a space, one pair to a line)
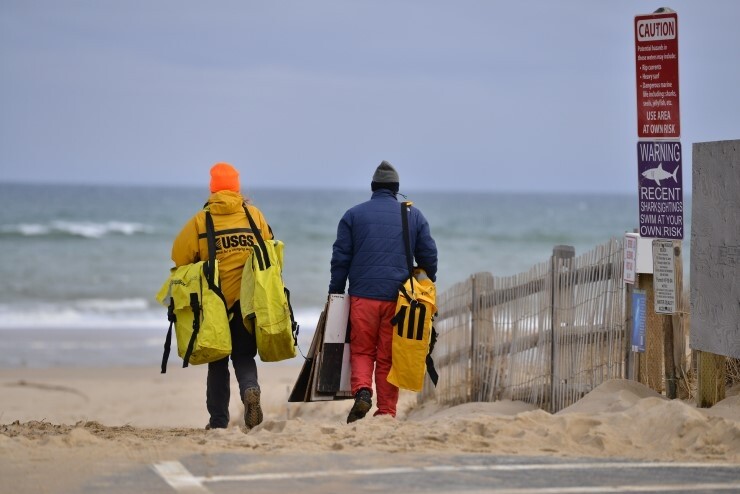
630, 257
644, 255
664, 277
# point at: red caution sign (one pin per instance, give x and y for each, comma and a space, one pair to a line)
656, 57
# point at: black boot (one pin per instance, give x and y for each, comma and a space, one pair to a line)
363, 403
252, 407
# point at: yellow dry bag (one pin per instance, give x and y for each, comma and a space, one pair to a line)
265, 302
414, 335
415, 311
197, 309
198, 313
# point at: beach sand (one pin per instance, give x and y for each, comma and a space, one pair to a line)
59, 426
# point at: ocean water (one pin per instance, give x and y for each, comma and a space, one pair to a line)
91, 258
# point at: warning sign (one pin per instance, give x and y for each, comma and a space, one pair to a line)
660, 191
656, 57
630, 257
664, 278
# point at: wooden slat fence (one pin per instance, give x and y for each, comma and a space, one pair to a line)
495, 333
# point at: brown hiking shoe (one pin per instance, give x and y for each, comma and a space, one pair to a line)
363, 403
252, 408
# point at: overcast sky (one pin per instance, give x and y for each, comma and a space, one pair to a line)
481, 95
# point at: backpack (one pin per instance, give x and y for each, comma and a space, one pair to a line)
265, 301
414, 337
197, 309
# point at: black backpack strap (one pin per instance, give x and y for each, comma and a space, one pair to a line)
168, 340
263, 257
433, 374
405, 293
210, 269
195, 306
407, 243
211, 238
294, 327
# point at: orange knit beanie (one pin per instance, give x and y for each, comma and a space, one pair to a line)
224, 177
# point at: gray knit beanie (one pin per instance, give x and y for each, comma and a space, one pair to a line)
385, 173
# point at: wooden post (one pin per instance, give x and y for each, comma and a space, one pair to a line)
669, 365
475, 306
481, 332
685, 364
669, 327
651, 362
711, 382
560, 310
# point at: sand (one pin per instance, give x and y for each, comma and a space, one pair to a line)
61, 425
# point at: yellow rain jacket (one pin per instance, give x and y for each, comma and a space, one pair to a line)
234, 239
415, 311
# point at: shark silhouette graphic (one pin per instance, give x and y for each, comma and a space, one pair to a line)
659, 174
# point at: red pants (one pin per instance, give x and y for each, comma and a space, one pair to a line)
371, 337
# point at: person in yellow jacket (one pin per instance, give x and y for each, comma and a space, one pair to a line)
234, 241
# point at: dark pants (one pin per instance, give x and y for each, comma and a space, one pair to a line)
243, 351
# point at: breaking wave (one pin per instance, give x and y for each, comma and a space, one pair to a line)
83, 314
130, 313
80, 229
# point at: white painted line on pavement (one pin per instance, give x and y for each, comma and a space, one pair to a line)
179, 478
612, 488
458, 468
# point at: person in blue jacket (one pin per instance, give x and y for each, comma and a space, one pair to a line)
370, 252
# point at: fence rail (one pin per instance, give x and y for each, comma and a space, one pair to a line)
546, 336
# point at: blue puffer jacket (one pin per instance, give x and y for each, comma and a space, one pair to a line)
370, 250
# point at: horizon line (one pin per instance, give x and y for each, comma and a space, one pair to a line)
448, 190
